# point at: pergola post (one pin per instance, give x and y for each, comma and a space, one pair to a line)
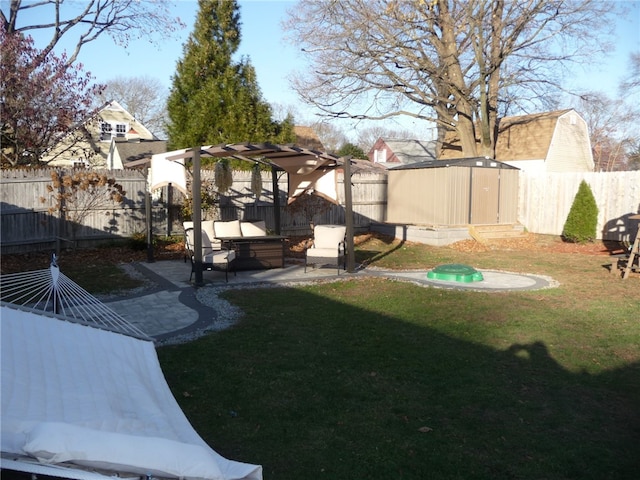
276, 199
149, 217
197, 217
348, 213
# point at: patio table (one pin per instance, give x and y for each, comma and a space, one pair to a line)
256, 253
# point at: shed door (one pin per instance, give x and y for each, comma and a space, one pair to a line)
485, 196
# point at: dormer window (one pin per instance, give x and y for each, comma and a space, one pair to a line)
110, 130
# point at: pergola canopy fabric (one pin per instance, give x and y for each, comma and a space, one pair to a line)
308, 170
164, 172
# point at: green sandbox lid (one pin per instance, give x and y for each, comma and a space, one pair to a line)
455, 272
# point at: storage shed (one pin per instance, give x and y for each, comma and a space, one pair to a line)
464, 191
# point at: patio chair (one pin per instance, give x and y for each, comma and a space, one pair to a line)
214, 256
328, 247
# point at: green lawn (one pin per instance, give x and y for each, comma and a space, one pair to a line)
377, 379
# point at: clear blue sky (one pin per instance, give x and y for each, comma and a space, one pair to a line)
274, 60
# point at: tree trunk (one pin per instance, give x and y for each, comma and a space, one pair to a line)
456, 81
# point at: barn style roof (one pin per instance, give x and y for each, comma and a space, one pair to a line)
524, 137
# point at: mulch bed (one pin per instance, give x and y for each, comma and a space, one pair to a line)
295, 249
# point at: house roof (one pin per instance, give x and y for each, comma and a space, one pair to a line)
306, 137
524, 137
133, 154
410, 151
483, 162
365, 166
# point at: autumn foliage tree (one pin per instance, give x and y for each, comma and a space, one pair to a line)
41, 97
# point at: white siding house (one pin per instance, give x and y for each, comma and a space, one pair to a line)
89, 144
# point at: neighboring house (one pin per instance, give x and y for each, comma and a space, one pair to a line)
306, 137
133, 152
544, 142
392, 153
89, 144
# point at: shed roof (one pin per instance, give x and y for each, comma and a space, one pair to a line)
481, 162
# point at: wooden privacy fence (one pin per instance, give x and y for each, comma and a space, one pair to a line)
543, 206
27, 225
545, 201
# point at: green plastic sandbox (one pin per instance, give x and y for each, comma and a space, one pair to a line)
455, 272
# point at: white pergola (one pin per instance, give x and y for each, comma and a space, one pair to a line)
303, 165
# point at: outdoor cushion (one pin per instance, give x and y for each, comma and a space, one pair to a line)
56, 442
207, 227
330, 253
227, 229
328, 236
253, 229
209, 240
218, 257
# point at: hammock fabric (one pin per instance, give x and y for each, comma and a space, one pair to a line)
83, 394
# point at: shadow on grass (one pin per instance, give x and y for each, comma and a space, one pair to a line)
366, 255
317, 388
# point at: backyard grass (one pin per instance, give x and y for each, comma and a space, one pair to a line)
378, 379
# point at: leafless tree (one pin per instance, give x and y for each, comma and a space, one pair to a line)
123, 20
611, 131
143, 97
368, 137
444, 61
330, 135
632, 82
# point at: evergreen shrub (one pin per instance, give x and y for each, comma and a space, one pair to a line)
581, 223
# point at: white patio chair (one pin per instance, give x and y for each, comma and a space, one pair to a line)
328, 247
214, 256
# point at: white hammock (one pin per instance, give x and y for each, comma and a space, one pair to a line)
89, 403
52, 292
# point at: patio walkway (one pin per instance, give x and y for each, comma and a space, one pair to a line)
171, 309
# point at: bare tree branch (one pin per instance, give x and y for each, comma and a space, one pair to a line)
123, 20
452, 62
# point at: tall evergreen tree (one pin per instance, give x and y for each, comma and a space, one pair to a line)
214, 99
